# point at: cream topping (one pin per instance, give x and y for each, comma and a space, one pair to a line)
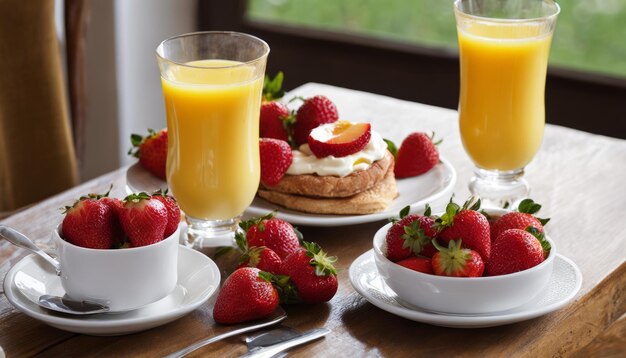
305, 162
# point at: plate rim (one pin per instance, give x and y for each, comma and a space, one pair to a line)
126, 325
463, 321
342, 220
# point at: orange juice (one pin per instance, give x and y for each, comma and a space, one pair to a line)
213, 137
501, 106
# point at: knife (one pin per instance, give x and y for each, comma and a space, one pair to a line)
270, 351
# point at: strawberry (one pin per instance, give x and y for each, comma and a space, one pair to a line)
517, 250
173, 211
314, 112
520, 219
467, 224
151, 151
115, 204
417, 155
247, 295
92, 222
144, 219
312, 273
274, 121
410, 235
456, 261
276, 157
339, 139
275, 234
419, 264
261, 257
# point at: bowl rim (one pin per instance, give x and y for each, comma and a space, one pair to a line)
56, 233
382, 233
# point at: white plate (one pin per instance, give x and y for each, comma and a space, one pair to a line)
138, 179
416, 192
565, 282
198, 280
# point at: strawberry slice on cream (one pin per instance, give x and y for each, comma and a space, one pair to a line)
339, 139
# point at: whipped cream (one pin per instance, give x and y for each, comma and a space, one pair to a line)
305, 162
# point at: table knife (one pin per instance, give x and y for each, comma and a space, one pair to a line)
270, 351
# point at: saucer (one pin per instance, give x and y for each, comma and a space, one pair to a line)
198, 280
138, 179
563, 286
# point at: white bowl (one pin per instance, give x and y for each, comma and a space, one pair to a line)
462, 295
123, 279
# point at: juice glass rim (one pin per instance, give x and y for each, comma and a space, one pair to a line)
265, 53
557, 10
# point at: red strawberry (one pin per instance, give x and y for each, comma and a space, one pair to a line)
173, 211
247, 295
411, 235
520, 219
263, 258
115, 204
456, 261
417, 155
314, 112
276, 157
312, 273
91, 222
144, 219
517, 250
467, 224
152, 151
274, 120
419, 264
275, 234
339, 139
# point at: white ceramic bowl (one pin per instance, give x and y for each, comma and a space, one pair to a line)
124, 279
462, 295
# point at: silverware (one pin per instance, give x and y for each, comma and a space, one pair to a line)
271, 351
271, 337
66, 305
18, 239
278, 316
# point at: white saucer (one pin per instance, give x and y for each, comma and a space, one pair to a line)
417, 191
138, 179
198, 280
565, 282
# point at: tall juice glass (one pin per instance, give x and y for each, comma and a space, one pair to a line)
212, 83
503, 47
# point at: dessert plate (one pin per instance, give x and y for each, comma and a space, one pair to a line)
417, 191
198, 280
564, 284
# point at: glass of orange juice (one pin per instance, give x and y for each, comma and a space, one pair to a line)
503, 49
212, 83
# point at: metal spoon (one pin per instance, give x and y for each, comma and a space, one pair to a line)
55, 303
18, 239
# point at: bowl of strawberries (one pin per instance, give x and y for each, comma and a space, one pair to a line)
123, 254
466, 260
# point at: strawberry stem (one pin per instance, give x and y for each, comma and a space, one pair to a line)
323, 264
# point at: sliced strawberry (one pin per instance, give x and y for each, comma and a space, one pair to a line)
456, 261
417, 155
314, 112
419, 264
144, 219
339, 139
151, 151
276, 157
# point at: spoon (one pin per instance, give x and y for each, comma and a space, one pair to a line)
25, 282
18, 239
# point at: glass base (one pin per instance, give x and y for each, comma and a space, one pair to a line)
500, 189
210, 233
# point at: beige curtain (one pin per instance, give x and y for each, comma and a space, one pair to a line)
37, 156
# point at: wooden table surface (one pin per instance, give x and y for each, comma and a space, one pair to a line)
577, 176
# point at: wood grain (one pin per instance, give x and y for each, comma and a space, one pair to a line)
572, 171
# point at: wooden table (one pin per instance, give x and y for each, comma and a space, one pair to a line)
577, 176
